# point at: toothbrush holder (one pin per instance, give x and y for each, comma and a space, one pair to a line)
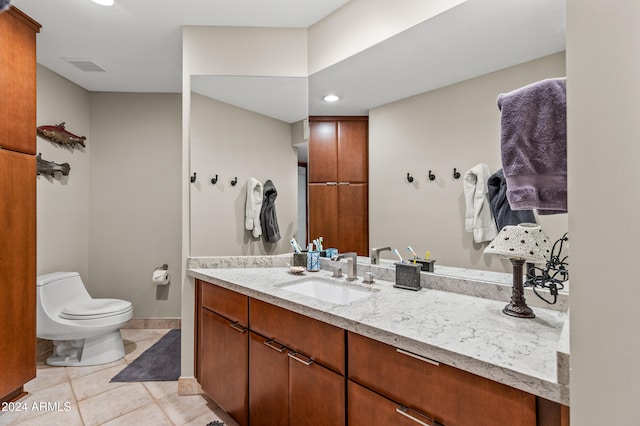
313, 261
408, 276
300, 259
427, 265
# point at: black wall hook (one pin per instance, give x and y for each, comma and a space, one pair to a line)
409, 178
456, 174
193, 178
234, 181
431, 176
214, 180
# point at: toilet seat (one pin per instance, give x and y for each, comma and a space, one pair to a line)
95, 309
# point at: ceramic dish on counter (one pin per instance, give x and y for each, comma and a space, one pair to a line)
297, 270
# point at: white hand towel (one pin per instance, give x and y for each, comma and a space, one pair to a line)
253, 206
478, 217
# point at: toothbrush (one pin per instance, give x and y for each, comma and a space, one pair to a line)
427, 255
294, 245
415, 256
320, 239
395, 251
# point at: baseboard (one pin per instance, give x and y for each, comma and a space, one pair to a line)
162, 323
189, 386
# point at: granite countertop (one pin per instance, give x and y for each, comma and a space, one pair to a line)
467, 332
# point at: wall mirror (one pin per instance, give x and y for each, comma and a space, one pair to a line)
469, 40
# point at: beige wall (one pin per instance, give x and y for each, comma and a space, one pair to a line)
456, 126
603, 72
233, 142
135, 210
63, 203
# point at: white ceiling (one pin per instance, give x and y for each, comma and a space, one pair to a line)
139, 43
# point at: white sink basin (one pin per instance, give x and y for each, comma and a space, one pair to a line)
327, 290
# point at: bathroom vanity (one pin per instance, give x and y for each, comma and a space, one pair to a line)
270, 354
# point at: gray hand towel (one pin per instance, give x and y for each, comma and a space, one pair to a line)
268, 213
502, 213
533, 145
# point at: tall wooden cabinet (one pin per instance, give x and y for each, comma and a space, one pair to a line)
338, 182
18, 207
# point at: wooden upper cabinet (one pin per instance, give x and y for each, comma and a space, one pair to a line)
18, 81
352, 151
338, 149
323, 151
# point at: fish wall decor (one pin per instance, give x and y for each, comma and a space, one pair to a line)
59, 134
49, 168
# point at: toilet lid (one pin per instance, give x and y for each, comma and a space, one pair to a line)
95, 308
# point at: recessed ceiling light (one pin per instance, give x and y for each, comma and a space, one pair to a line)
104, 2
331, 98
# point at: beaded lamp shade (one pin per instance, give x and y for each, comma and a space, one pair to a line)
526, 241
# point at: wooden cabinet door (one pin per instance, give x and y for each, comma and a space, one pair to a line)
323, 151
17, 270
224, 364
367, 408
353, 223
316, 394
269, 382
18, 81
323, 213
352, 151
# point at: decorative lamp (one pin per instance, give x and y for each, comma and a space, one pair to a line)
526, 242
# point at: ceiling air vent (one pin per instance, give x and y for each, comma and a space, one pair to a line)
85, 65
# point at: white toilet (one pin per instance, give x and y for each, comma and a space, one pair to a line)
85, 331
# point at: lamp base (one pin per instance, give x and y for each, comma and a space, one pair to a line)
518, 306
519, 311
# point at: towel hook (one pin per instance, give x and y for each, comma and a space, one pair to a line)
214, 180
432, 177
409, 178
234, 181
193, 178
456, 174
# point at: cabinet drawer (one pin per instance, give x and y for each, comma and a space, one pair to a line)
452, 396
367, 408
227, 303
324, 343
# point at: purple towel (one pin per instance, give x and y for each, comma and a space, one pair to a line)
533, 145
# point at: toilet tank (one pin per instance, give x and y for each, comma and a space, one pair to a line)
57, 289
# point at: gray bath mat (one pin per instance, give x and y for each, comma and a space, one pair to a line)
161, 362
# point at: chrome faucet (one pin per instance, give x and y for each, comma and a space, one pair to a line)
375, 254
352, 264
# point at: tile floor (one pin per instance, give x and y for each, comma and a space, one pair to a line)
72, 396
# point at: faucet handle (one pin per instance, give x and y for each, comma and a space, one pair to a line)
368, 278
337, 273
